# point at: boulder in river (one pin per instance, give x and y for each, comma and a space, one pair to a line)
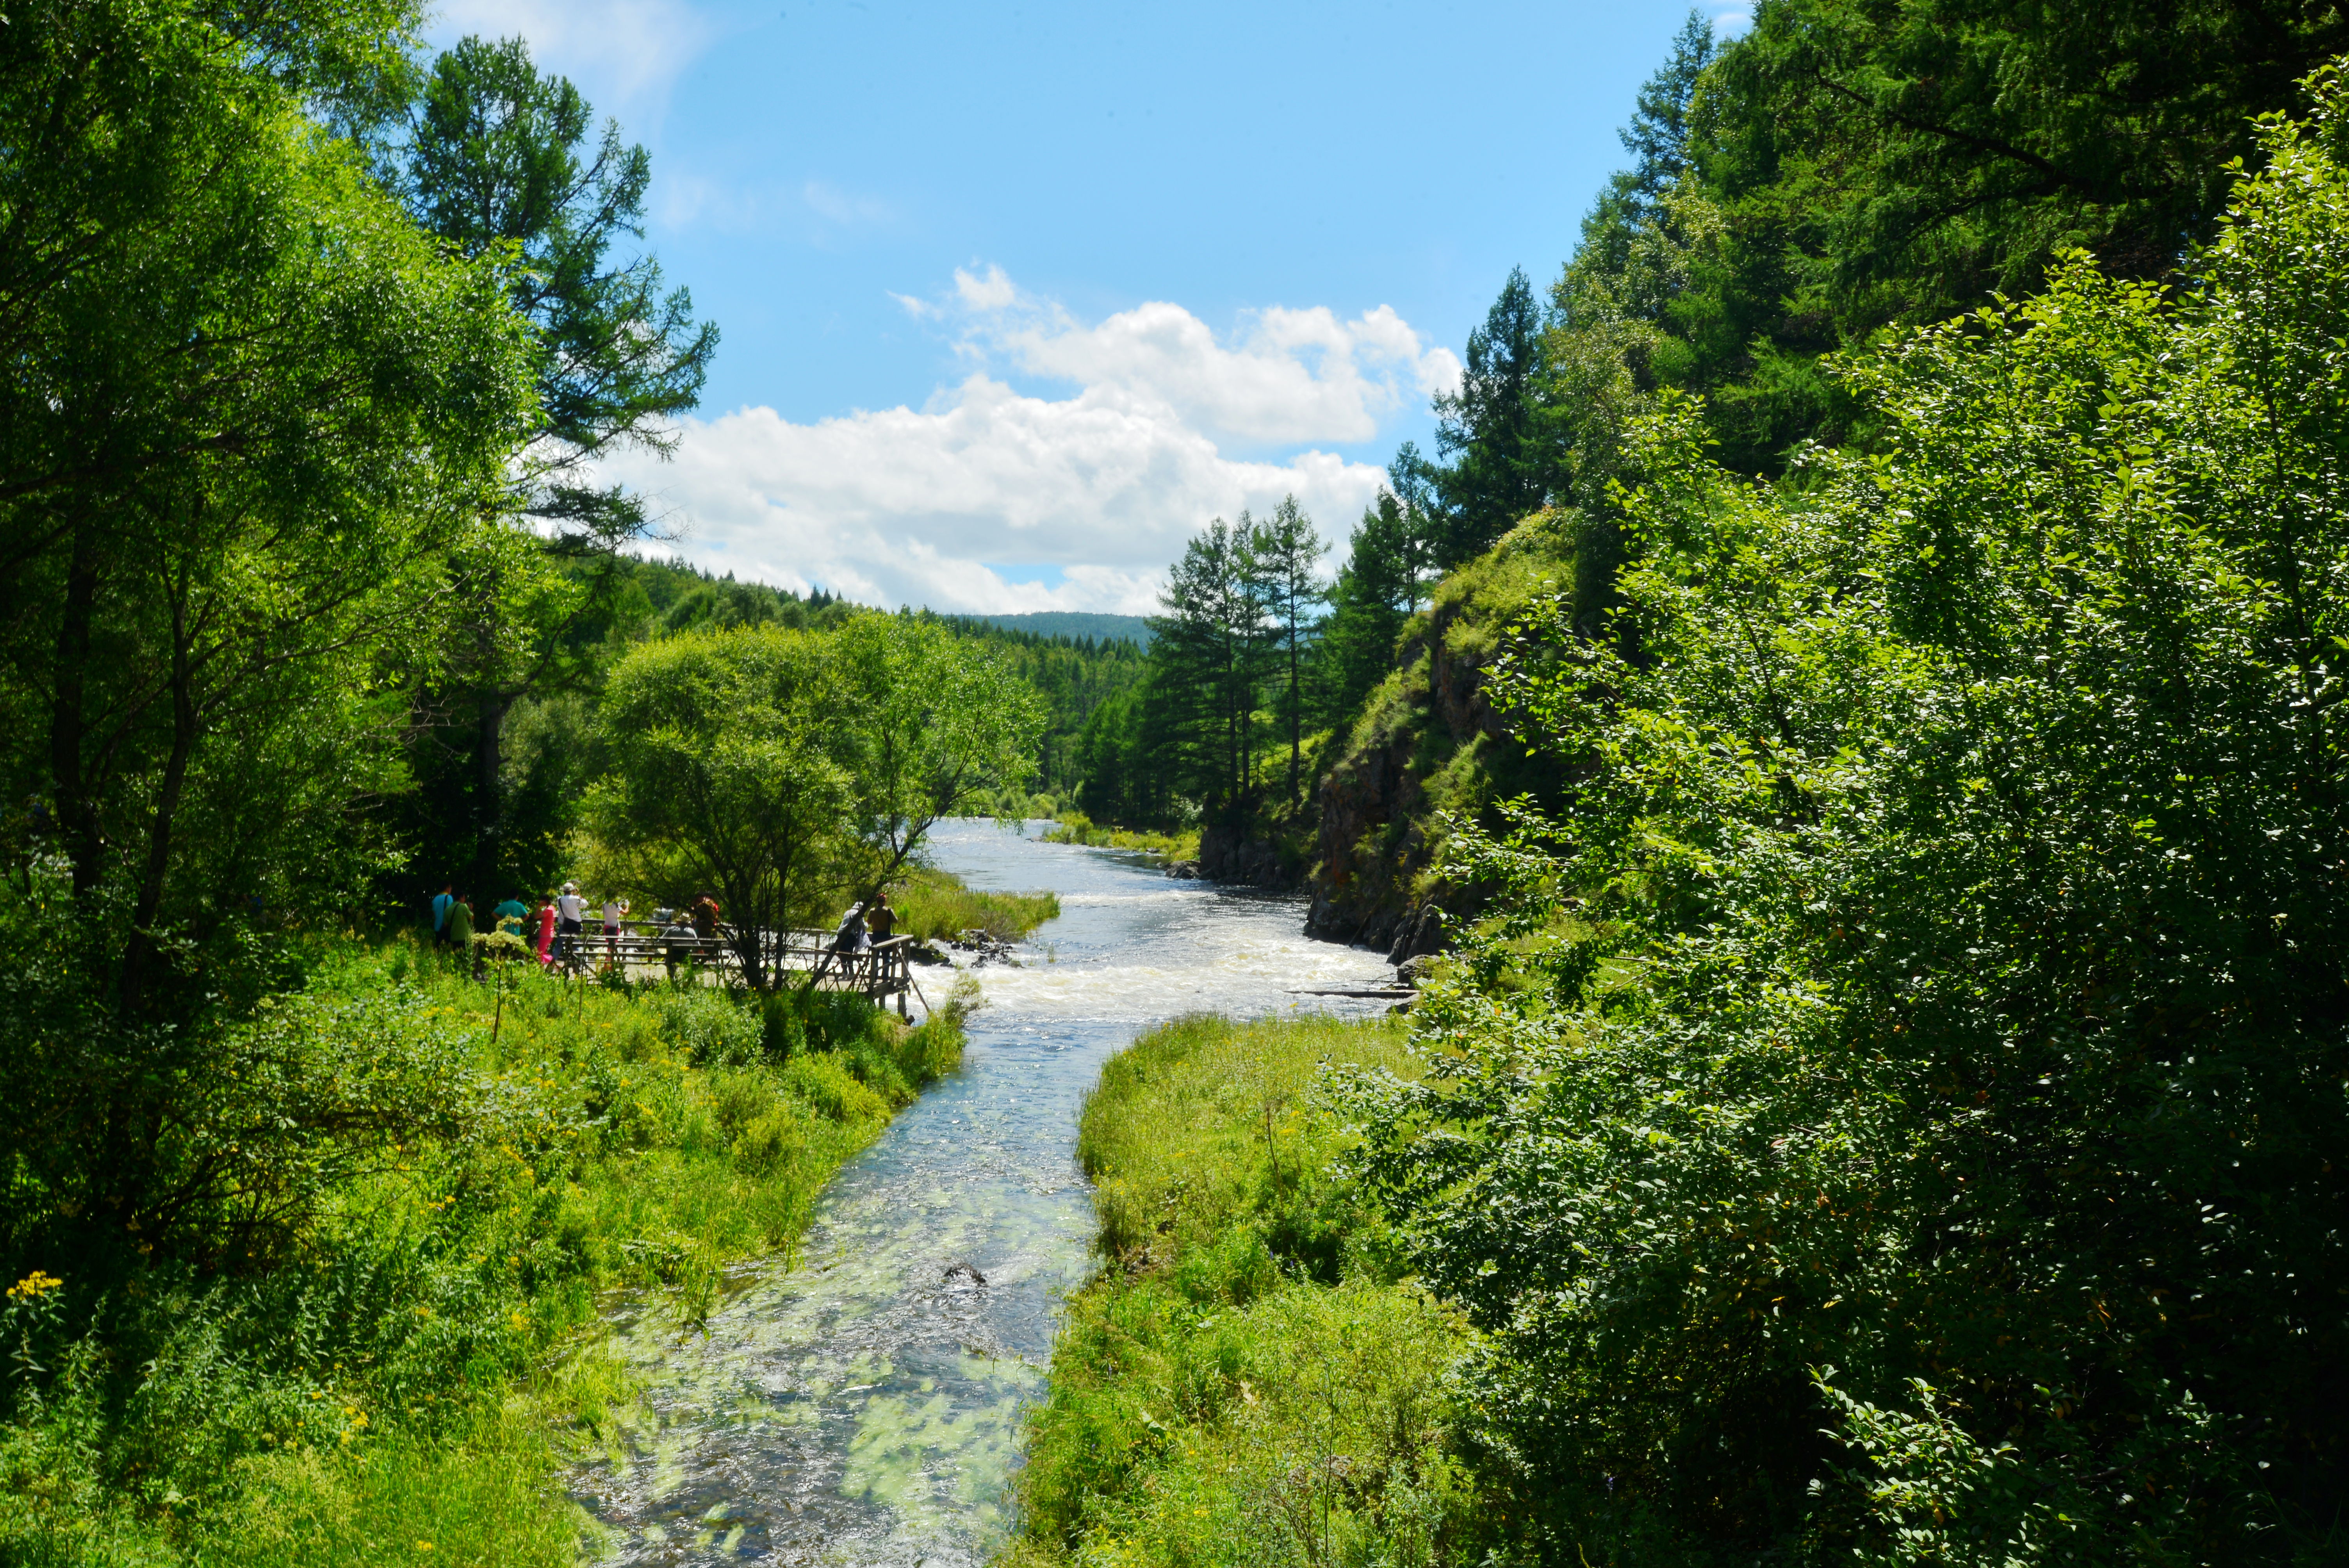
963, 1274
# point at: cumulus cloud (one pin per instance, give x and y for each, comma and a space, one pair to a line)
1288, 376
992, 497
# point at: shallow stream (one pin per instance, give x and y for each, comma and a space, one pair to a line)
860, 1404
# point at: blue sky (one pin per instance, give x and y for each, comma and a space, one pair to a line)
1015, 297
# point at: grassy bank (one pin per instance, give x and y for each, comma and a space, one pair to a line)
935, 904
1247, 1379
387, 1357
1076, 827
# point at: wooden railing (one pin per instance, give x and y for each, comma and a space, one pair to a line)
643, 949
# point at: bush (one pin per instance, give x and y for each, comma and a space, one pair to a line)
1895, 1114
1217, 1394
407, 1219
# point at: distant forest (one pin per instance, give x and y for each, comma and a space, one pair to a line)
501, 808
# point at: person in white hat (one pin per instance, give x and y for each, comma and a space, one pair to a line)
569, 911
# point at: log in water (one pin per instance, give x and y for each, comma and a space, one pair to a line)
862, 1405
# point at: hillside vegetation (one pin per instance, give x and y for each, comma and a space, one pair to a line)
1888, 1105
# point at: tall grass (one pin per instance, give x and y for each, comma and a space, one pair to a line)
936, 906
1075, 827
403, 1382
1247, 1379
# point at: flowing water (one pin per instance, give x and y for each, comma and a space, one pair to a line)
862, 1403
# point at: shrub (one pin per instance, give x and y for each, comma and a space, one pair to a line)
1925, 1141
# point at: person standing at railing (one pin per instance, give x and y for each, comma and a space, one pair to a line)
615, 910
570, 910
677, 945
880, 920
545, 941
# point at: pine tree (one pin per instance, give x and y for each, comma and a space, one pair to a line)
1283, 554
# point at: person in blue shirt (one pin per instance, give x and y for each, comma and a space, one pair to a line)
440, 902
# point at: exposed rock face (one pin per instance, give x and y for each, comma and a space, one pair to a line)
1227, 856
1375, 836
1429, 741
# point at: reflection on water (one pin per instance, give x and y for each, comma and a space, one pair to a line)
862, 1406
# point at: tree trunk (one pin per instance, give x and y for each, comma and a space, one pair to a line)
1295, 742
139, 952
489, 801
76, 814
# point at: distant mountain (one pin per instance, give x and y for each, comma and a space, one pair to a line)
1073, 623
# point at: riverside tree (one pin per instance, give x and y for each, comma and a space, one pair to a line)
787, 771
1207, 656
1895, 1114
726, 776
502, 160
1285, 553
253, 413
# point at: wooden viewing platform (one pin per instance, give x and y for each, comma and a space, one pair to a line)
642, 951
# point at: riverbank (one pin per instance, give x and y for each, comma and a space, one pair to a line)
1247, 1376
403, 1359
1076, 827
938, 906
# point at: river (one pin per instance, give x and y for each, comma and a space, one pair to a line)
860, 1405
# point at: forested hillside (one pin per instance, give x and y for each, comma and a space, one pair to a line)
1839, 171
516, 823
1875, 729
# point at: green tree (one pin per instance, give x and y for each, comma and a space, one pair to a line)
1917, 157
1376, 589
1488, 431
1893, 1114
1206, 657
499, 162
1658, 136
929, 721
502, 161
727, 774
251, 412
1284, 554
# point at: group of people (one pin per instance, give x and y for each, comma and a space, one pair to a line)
553, 930
864, 925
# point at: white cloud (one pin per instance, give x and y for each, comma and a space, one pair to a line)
1289, 376
992, 293
957, 505
622, 53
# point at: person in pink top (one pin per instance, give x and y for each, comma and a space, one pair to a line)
545, 930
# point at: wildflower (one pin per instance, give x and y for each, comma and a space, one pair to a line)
34, 1286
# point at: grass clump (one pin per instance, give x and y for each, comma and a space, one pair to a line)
380, 1347
1075, 827
1247, 1379
935, 906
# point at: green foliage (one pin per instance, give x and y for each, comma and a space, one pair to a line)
1076, 675
728, 774
1896, 1111
1488, 428
1242, 1383
936, 906
1911, 160
370, 1366
497, 165
251, 412
1232, 673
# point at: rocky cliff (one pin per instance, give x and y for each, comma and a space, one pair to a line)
1428, 742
